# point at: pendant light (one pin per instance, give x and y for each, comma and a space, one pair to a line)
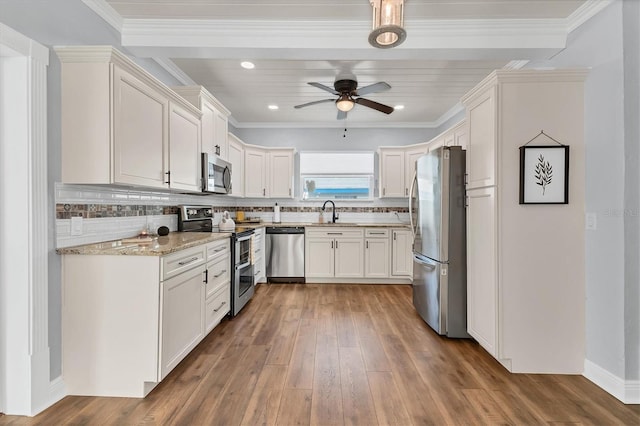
388, 21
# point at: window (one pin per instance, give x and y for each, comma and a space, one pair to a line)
337, 175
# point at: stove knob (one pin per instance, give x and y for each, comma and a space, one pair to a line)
191, 212
208, 212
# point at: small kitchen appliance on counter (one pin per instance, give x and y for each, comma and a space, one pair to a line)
226, 223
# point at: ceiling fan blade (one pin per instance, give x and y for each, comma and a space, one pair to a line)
375, 105
373, 88
342, 115
314, 102
323, 87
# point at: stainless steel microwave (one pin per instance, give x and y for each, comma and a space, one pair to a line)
216, 174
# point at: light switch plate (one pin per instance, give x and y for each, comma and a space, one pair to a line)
76, 225
591, 221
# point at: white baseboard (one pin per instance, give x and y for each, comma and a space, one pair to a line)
57, 390
627, 391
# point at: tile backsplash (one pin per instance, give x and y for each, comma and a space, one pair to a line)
111, 213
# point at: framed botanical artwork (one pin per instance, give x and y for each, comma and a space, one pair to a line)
544, 174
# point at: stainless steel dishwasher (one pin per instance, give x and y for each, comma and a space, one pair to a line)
285, 254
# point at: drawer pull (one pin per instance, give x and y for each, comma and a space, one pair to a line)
186, 262
376, 233
219, 249
334, 233
220, 274
220, 307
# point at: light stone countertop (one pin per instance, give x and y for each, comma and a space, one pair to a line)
177, 241
159, 246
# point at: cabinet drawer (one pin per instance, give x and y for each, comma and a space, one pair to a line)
258, 267
218, 273
181, 261
218, 305
217, 249
335, 232
376, 233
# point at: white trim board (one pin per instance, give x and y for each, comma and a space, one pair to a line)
627, 391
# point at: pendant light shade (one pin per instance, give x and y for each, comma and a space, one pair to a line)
388, 21
345, 103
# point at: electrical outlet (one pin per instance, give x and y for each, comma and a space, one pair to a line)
76, 225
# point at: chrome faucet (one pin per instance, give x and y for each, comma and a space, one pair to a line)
334, 216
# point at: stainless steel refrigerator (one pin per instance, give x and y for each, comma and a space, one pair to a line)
438, 220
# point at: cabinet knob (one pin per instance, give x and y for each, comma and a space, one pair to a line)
168, 181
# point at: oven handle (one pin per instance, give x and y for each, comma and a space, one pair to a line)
244, 265
241, 239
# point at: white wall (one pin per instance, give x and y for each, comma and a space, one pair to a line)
611, 139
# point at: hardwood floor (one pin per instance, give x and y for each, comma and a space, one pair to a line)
342, 354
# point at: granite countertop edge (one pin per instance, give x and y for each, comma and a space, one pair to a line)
159, 246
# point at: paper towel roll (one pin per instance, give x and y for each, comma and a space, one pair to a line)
276, 213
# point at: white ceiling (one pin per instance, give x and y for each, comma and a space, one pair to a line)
451, 45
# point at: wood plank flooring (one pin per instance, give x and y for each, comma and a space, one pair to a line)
319, 354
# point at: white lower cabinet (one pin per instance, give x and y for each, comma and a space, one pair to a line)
334, 253
128, 325
401, 253
182, 313
259, 261
376, 253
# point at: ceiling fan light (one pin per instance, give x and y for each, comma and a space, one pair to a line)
388, 21
345, 103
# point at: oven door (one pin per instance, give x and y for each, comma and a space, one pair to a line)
243, 287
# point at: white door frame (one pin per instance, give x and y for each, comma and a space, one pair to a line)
24, 346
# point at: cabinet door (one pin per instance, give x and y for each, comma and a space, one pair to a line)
281, 174
481, 141
376, 258
182, 317
392, 174
140, 132
236, 158
460, 136
349, 258
481, 268
319, 257
410, 166
401, 253
255, 173
221, 129
184, 149
208, 128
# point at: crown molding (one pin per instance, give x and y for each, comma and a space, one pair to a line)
452, 112
106, 12
516, 65
588, 10
336, 124
169, 66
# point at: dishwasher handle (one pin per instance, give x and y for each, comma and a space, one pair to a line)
285, 230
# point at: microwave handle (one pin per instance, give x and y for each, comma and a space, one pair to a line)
226, 179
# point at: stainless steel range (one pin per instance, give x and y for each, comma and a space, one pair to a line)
200, 219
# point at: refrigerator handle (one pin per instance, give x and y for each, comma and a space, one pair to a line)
413, 183
427, 265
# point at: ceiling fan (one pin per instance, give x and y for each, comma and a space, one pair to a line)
348, 95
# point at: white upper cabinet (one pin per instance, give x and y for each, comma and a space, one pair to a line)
281, 173
116, 123
236, 158
392, 172
481, 155
184, 149
255, 177
214, 119
410, 158
139, 138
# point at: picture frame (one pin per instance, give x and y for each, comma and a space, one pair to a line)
544, 174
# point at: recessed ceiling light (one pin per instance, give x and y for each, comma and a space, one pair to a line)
398, 107
273, 107
247, 65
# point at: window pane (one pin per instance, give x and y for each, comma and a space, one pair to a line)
337, 187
